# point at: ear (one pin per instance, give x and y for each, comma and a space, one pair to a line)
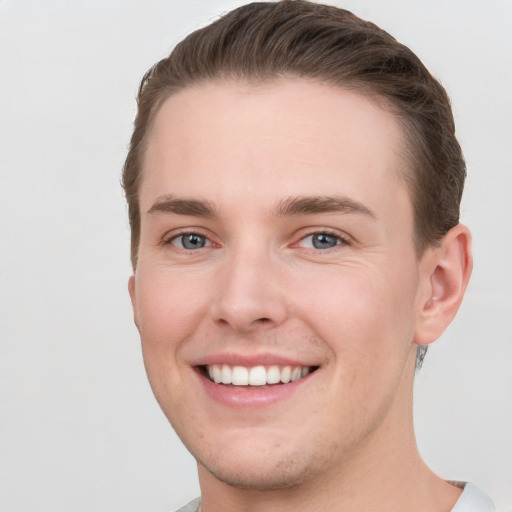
132, 291
446, 270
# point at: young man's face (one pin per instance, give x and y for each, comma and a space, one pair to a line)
277, 237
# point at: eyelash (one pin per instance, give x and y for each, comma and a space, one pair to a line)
168, 241
341, 240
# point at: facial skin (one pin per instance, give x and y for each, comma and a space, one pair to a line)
300, 252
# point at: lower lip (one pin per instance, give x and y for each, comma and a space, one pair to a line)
250, 398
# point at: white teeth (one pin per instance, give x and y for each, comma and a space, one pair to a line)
240, 376
273, 375
225, 374
217, 373
258, 376
286, 374
255, 376
296, 373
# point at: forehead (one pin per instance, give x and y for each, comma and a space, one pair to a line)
295, 136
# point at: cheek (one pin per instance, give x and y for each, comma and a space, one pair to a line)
169, 308
364, 317
346, 301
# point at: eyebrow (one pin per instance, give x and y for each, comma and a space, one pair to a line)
292, 206
183, 206
305, 205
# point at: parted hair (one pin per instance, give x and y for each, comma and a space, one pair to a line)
266, 41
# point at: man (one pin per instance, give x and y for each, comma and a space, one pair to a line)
294, 184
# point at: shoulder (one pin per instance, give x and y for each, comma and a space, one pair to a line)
473, 499
193, 506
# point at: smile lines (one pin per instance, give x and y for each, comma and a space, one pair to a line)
257, 375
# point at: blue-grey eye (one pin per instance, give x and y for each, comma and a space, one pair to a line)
324, 241
191, 241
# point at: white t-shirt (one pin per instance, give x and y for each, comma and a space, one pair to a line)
472, 499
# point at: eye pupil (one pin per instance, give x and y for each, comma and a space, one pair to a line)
324, 241
193, 241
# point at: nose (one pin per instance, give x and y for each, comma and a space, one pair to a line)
250, 293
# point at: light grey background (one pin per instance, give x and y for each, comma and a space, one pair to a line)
79, 428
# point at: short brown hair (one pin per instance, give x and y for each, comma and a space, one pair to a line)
295, 38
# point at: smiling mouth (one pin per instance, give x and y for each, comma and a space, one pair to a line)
256, 376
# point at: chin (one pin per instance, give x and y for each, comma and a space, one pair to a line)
260, 479
259, 471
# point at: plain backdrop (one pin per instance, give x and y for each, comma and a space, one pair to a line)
79, 428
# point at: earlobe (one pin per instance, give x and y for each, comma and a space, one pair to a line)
131, 290
448, 268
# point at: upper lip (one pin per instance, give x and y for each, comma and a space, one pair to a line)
252, 360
